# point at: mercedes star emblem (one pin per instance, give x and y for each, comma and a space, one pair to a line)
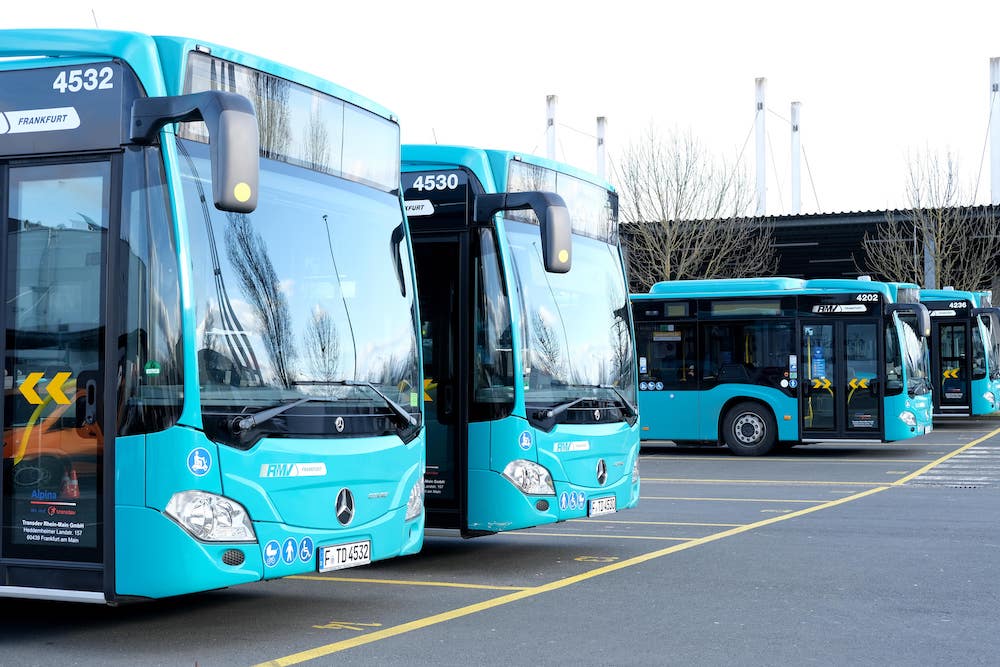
339, 424
602, 472
345, 507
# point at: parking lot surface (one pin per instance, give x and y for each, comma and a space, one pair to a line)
830, 553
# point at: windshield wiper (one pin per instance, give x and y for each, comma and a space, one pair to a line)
629, 408
558, 410
244, 424
401, 414
553, 413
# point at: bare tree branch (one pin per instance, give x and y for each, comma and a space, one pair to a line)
944, 232
684, 213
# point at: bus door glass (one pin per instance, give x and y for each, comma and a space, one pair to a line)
56, 250
862, 390
952, 379
818, 366
438, 289
840, 361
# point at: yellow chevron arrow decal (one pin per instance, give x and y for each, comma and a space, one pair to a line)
951, 373
27, 388
858, 383
428, 385
54, 388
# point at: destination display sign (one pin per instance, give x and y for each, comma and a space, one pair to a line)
437, 198
60, 109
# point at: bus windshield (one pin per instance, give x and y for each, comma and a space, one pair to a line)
991, 342
575, 325
916, 357
304, 298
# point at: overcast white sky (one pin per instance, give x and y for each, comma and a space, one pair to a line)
878, 80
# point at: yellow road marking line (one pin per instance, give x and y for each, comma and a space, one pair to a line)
427, 621
735, 500
657, 523
944, 458
405, 582
617, 537
791, 482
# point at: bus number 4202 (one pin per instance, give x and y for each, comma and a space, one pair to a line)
75, 80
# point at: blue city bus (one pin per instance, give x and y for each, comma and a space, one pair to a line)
758, 363
528, 349
965, 359
211, 322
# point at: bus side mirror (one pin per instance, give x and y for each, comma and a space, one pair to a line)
920, 312
232, 133
554, 224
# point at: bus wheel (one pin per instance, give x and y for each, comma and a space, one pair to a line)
749, 430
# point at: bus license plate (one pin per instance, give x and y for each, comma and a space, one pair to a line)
600, 506
340, 556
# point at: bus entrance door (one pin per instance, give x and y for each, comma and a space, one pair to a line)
840, 380
950, 367
53, 480
442, 287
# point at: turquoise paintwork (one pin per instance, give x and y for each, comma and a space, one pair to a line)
696, 415
154, 557
494, 503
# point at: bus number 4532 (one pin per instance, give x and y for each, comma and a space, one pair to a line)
75, 80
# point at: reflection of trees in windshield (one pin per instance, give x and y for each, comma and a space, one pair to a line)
250, 260
620, 336
317, 142
271, 99
546, 348
322, 346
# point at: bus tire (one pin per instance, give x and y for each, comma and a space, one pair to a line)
749, 430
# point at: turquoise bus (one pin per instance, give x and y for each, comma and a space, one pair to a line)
528, 351
965, 352
210, 311
758, 363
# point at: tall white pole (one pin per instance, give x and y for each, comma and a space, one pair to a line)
602, 124
761, 152
796, 161
995, 130
550, 129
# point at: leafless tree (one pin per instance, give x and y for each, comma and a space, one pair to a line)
942, 239
685, 213
252, 263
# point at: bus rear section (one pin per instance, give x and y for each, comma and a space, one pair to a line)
198, 393
514, 440
754, 364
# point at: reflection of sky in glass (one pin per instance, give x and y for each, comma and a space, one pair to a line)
61, 202
588, 204
574, 314
303, 126
328, 242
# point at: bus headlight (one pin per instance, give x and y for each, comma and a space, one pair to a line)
531, 478
635, 470
211, 518
908, 418
989, 396
415, 505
